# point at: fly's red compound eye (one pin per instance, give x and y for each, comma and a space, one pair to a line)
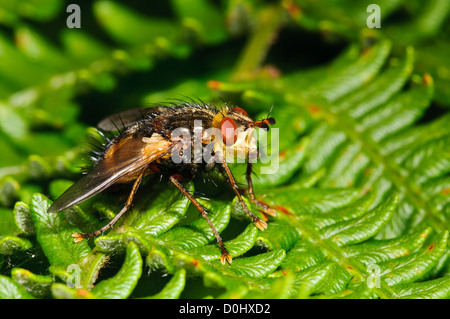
240, 111
228, 128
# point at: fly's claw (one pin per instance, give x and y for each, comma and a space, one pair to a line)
77, 237
226, 258
262, 225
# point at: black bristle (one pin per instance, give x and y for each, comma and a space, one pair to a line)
96, 152
118, 129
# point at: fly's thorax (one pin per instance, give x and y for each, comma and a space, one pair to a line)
190, 119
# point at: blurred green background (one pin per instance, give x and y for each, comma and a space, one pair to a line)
56, 83
56, 79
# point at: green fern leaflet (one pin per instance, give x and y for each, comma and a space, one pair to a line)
362, 189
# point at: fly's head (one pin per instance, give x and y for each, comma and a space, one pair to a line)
234, 133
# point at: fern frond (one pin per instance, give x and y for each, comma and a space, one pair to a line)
361, 189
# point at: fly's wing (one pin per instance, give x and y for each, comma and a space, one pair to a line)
127, 118
124, 159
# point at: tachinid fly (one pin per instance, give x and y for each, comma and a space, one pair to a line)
153, 141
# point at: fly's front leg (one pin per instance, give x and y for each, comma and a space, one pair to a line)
266, 208
256, 220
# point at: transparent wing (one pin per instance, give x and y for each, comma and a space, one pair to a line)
122, 161
127, 118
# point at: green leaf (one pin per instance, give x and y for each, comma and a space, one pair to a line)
258, 266
62, 291
202, 17
13, 244
9, 289
42, 10
157, 219
361, 228
351, 76
276, 169
15, 66
410, 268
7, 224
37, 285
433, 289
279, 235
54, 234
39, 49
301, 256
122, 284
376, 251
236, 247
311, 201
130, 27
174, 287
82, 47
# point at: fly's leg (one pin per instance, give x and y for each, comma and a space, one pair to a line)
80, 236
256, 220
225, 256
267, 209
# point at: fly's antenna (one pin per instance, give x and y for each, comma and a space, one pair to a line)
270, 111
264, 124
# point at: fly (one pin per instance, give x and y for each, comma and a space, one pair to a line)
157, 140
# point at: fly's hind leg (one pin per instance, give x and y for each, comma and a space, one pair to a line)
80, 236
225, 256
